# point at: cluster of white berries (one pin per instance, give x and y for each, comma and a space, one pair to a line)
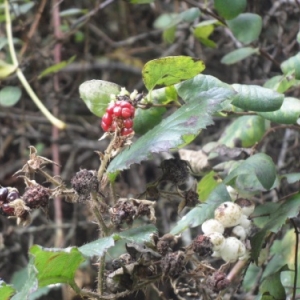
233, 215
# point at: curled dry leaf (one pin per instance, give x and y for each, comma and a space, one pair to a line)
198, 160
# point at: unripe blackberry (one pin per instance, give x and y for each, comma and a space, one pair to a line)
12, 195
36, 196
84, 182
173, 264
217, 282
3, 194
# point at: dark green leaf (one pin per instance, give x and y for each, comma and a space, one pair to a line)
190, 15
200, 83
146, 119
187, 120
6, 291
170, 70
246, 27
272, 286
96, 95
256, 98
165, 21
56, 68
288, 209
98, 247
292, 66
141, 1
288, 113
199, 214
256, 173
238, 55
56, 265
230, 9
10, 95
245, 132
163, 95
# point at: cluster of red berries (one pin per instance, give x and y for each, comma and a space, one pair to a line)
118, 114
7, 196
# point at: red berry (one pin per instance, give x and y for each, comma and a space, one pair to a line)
113, 126
128, 123
110, 108
132, 109
117, 111
10, 211
124, 104
107, 118
104, 126
126, 131
126, 113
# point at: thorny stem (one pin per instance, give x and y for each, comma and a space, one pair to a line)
101, 274
295, 259
56, 122
49, 178
106, 157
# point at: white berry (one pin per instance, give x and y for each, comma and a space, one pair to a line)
245, 223
246, 205
217, 239
212, 225
232, 250
228, 214
239, 232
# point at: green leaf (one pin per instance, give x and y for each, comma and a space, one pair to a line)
256, 98
138, 234
100, 246
246, 27
6, 69
163, 95
56, 265
6, 291
188, 119
289, 209
288, 113
30, 284
165, 21
96, 95
57, 67
199, 214
206, 185
190, 15
170, 70
238, 55
230, 9
245, 132
256, 173
292, 66
146, 119
169, 35
202, 32
10, 95
72, 12
200, 83
291, 177
272, 286
281, 83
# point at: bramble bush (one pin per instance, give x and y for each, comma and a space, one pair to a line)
245, 237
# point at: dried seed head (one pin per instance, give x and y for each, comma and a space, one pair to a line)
84, 182
36, 196
217, 282
123, 211
166, 243
202, 246
173, 264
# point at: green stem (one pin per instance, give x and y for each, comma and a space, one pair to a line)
56, 122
